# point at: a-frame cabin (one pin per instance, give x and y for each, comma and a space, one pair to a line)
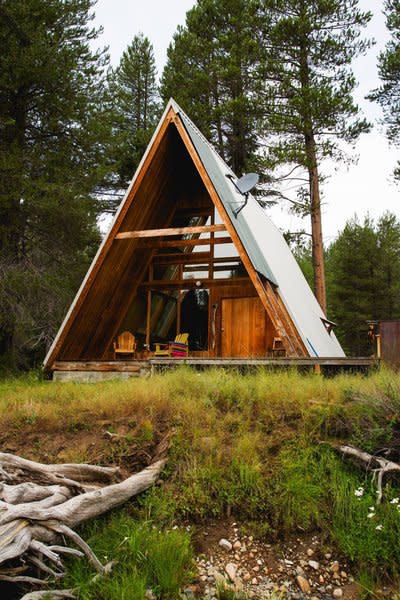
179, 259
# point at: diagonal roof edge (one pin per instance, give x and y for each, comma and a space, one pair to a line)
171, 104
267, 249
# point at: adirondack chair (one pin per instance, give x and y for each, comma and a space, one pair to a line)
179, 348
125, 345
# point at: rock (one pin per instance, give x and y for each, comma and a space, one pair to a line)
237, 545
314, 564
310, 552
287, 562
230, 570
321, 579
334, 566
256, 569
328, 556
337, 593
300, 571
343, 574
303, 584
254, 581
303, 563
225, 544
246, 577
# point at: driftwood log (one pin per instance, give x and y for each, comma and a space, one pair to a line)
377, 465
40, 505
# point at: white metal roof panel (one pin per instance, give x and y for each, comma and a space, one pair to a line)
267, 250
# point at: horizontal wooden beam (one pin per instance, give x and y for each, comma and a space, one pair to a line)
181, 258
204, 267
151, 233
192, 258
189, 284
184, 243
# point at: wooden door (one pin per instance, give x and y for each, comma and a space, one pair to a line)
243, 327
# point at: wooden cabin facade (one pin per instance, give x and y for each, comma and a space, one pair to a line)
179, 258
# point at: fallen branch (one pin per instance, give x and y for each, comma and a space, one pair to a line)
378, 465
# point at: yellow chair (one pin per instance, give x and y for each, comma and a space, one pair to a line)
179, 348
125, 345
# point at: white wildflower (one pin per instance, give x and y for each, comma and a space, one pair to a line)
379, 527
394, 501
370, 515
371, 508
359, 492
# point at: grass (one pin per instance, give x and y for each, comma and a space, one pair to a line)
146, 559
243, 445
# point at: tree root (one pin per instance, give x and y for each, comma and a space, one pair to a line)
41, 504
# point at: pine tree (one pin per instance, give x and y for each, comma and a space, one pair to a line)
135, 102
308, 101
388, 95
53, 131
363, 273
213, 72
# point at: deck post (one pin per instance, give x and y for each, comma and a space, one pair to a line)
148, 311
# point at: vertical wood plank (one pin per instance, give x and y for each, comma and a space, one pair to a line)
148, 311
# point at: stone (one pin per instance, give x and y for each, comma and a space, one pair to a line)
230, 570
303, 563
300, 571
287, 562
256, 569
314, 564
254, 581
246, 577
225, 544
303, 584
337, 593
328, 556
321, 579
310, 552
343, 574
237, 545
335, 566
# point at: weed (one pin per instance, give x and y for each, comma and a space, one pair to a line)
147, 558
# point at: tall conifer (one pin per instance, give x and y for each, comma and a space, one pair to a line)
309, 108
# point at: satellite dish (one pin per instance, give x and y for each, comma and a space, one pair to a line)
247, 182
244, 185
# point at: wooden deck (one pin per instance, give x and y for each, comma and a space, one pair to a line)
100, 370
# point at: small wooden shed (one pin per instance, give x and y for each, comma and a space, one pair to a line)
179, 257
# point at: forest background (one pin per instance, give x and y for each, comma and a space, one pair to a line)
269, 82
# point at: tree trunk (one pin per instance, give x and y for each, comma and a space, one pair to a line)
312, 167
316, 226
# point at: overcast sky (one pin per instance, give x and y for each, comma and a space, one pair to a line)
366, 187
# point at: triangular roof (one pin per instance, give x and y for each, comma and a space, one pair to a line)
272, 267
